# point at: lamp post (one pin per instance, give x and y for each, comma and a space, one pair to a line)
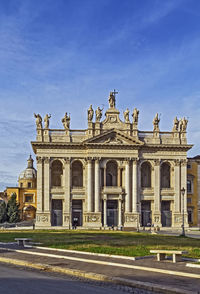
183, 226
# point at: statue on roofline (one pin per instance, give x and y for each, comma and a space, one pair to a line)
90, 113
98, 113
66, 121
38, 121
126, 115
135, 115
156, 121
176, 124
112, 99
46, 121
183, 124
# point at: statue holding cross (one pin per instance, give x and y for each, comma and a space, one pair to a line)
112, 99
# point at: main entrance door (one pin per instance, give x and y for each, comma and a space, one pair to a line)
77, 213
112, 213
145, 213
166, 214
56, 219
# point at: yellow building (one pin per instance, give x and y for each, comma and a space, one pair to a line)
26, 191
193, 191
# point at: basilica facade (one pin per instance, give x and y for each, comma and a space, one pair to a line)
111, 174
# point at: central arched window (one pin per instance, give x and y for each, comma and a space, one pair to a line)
111, 173
165, 175
77, 174
146, 175
56, 173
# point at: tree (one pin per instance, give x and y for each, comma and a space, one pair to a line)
3, 212
13, 212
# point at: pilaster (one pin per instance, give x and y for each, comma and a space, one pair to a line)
157, 212
89, 185
67, 186
47, 187
97, 186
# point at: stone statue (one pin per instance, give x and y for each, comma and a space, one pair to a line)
176, 123
66, 121
38, 121
184, 124
90, 113
126, 115
46, 121
112, 99
156, 121
135, 115
98, 114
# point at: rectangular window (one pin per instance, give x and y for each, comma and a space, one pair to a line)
29, 198
190, 216
189, 200
188, 166
189, 186
29, 184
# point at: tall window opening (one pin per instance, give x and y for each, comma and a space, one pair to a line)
56, 173
165, 175
146, 175
77, 174
111, 173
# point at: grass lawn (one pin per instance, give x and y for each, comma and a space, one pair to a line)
120, 243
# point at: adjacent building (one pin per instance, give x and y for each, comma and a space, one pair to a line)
111, 174
193, 191
26, 192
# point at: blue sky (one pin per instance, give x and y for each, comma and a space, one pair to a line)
61, 56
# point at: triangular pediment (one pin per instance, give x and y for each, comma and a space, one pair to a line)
112, 137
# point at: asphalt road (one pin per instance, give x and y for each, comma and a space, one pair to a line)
14, 280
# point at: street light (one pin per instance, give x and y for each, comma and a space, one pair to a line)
183, 227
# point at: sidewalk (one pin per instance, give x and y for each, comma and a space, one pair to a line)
147, 273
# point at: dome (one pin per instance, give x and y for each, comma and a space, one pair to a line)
30, 172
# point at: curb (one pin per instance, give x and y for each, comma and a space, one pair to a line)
92, 253
193, 265
97, 277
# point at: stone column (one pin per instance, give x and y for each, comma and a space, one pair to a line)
46, 185
42, 215
120, 211
184, 183
134, 186
119, 177
105, 210
39, 184
177, 187
127, 187
157, 213
104, 176
97, 186
89, 185
67, 190
177, 213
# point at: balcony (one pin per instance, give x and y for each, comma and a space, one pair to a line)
112, 190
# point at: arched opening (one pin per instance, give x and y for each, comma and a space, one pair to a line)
56, 173
146, 175
165, 175
77, 174
111, 173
